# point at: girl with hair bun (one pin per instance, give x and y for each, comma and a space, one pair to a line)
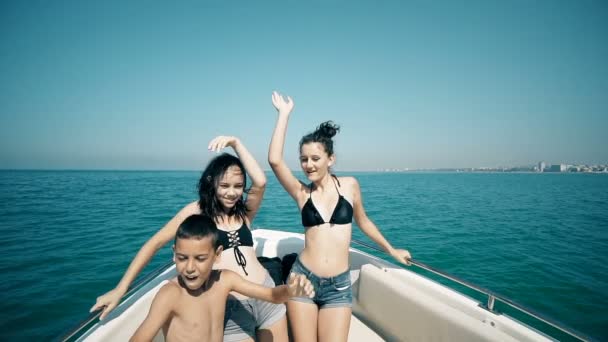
327, 205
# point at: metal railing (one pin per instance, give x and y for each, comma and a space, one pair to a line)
77, 331
492, 296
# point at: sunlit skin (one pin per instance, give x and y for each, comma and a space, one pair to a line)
192, 307
330, 245
194, 259
230, 188
326, 249
314, 161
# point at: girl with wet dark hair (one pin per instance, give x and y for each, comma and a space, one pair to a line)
221, 190
208, 202
327, 206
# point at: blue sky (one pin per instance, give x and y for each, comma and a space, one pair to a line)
414, 84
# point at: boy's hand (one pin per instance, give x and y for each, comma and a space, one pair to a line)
299, 286
107, 302
282, 106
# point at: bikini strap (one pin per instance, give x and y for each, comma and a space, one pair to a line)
335, 179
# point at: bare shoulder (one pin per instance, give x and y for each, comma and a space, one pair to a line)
189, 209
224, 276
350, 188
169, 293
192, 208
171, 288
348, 182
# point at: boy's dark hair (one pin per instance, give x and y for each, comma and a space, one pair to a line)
198, 227
207, 187
322, 135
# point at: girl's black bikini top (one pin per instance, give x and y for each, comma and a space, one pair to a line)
343, 212
234, 239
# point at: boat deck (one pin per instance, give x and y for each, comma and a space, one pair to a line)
389, 304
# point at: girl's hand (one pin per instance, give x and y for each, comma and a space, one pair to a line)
299, 286
107, 302
218, 143
402, 255
282, 106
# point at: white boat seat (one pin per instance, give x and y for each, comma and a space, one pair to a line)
399, 312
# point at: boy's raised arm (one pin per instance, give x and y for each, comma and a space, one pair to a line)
297, 286
157, 316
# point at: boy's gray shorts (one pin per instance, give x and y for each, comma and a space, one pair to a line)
243, 317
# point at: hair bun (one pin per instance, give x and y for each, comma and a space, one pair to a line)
328, 129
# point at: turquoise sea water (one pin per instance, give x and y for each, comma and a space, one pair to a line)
539, 239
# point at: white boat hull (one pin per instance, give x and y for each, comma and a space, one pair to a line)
389, 304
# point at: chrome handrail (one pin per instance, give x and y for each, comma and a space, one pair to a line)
492, 296
134, 287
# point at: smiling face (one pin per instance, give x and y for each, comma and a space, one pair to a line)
230, 187
194, 259
314, 161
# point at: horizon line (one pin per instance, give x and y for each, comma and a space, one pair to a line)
378, 170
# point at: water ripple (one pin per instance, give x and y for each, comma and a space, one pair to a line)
540, 240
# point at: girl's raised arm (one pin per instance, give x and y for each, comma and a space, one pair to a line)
275, 152
253, 169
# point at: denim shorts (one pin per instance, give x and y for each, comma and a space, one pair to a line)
330, 292
244, 316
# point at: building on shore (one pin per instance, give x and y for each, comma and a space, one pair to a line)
556, 168
541, 166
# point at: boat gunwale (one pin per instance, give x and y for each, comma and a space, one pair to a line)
76, 333
491, 296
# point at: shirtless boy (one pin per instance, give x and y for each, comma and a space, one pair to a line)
191, 308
